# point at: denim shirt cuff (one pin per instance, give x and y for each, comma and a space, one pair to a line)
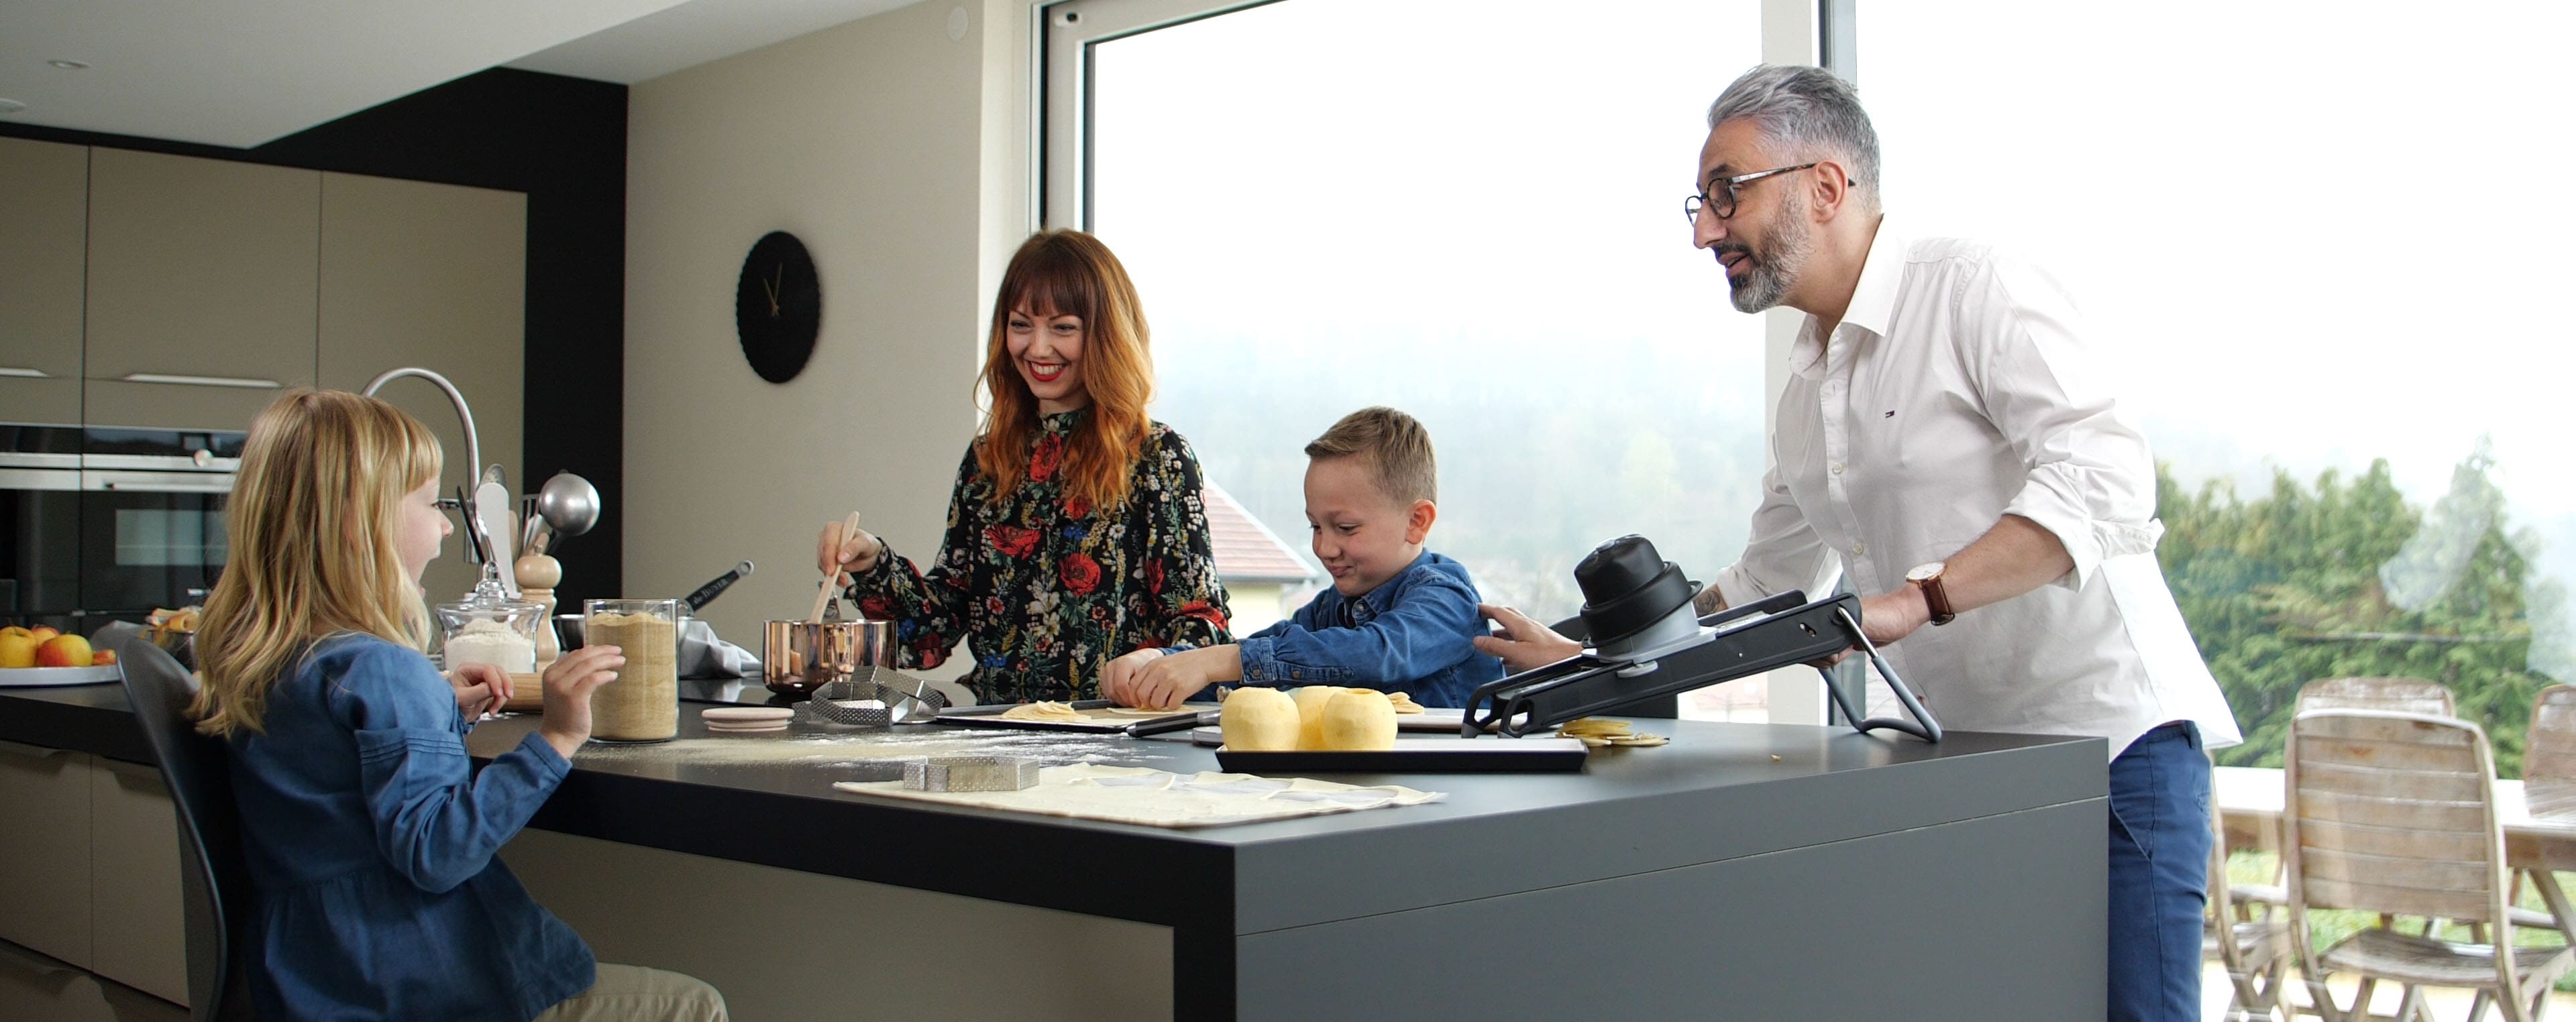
544, 753
1260, 661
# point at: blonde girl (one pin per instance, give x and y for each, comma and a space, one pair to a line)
369, 834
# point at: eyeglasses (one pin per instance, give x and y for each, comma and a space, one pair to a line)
1725, 207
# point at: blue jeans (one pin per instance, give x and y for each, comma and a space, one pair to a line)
2159, 875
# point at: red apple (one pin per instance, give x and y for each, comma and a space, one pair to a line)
63, 651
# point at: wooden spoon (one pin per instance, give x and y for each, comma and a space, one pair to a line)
823, 597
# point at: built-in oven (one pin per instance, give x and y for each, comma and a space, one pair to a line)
134, 521
152, 517
39, 524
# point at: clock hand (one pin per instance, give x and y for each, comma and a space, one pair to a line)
773, 297
775, 288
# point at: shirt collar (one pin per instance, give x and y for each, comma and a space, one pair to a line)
1873, 298
1062, 422
1373, 602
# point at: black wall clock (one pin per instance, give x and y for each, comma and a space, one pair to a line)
778, 307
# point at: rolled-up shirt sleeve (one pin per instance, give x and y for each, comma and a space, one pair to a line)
1783, 552
2090, 479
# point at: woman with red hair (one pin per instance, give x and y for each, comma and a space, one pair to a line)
1075, 533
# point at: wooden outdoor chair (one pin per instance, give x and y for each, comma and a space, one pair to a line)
2252, 942
2406, 695
2395, 813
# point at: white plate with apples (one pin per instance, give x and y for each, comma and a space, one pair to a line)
37, 657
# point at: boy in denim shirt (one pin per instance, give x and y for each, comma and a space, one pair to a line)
1398, 618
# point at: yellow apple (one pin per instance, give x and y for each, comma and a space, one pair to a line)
63, 651
17, 650
45, 632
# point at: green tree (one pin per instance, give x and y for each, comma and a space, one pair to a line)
2346, 579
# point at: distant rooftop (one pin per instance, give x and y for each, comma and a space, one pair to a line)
1246, 550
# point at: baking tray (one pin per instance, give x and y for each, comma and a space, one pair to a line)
40, 677
991, 716
1421, 756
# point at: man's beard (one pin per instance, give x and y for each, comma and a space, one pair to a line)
1772, 273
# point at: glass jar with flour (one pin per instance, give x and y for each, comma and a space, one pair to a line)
488, 627
643, 704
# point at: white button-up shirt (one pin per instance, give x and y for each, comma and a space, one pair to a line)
1958, 389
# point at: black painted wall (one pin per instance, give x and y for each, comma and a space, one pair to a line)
563, 142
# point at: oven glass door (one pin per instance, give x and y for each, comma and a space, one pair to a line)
39, 545
147, 542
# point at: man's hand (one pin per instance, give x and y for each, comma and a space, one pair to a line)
1887, 618
1525, 643
480, 688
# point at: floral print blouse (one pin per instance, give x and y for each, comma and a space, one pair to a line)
1046, 591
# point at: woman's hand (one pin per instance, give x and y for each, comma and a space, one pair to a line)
845, 555
568, 685
1525, 643
480, 688
1153, 679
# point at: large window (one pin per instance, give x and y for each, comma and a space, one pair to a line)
1467, 210
2320, 244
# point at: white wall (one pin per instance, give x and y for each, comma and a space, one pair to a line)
872, 143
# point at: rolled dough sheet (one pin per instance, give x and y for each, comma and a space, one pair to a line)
1158, 798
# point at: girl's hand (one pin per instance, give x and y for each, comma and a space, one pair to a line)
480, 688
844, 555
568, 684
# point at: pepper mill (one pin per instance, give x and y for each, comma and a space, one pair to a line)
537, 574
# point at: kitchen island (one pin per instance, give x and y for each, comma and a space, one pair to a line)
1745, 870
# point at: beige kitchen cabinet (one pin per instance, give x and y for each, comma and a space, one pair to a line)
138, 929
201, 292
434, 276
42, 245
45, 895
33, 986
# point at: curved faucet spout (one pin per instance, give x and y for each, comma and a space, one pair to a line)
473, 443
479, 538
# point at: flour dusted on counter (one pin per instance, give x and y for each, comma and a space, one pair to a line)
492, 642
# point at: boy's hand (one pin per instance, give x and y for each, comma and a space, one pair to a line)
1168, 680
1524, 643
568, 684
480, 688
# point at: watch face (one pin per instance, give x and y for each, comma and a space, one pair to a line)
778, 307
1923, 573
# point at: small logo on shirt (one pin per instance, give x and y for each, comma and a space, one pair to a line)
1891, 413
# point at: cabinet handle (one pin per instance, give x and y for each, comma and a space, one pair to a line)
24, 373
243, 382
32, 751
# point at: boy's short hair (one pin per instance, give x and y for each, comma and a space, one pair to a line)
1396, 447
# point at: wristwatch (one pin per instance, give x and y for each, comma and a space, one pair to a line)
1928, 577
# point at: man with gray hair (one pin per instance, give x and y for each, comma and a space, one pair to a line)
1949, 444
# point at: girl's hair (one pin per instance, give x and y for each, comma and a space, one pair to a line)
1069, 273
312, 521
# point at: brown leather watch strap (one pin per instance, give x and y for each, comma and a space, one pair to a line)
1936, 600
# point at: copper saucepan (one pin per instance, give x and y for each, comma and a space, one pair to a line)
798, 657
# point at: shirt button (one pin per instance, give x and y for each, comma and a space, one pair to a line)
1859, 549
1838, 468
